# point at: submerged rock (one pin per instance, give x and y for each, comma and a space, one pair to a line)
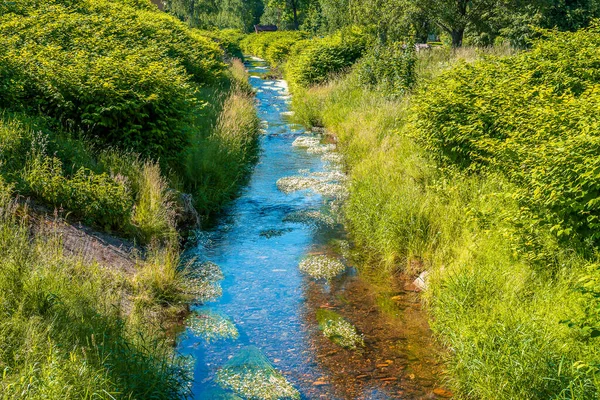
250, 375
322, 266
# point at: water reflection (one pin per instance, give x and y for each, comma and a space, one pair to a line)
271, 305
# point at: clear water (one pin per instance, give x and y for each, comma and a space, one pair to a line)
273, 305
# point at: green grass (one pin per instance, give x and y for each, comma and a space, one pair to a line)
515, 306
62, 330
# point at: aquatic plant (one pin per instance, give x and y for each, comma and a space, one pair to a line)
335, 190
306, 141
203, 282
322, 266
338, 330
313, 218
291, 184
251, 375
269, 233
212, 326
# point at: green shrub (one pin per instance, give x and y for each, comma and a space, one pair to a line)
390, 69
229, 41
96, 198
531, 116
272, 46
314, 62
121, 74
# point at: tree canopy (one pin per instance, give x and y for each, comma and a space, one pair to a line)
478, 22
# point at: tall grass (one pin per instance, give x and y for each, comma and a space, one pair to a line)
62, 331
514, 327
218, 163
155, 210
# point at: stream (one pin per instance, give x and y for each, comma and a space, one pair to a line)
259, 336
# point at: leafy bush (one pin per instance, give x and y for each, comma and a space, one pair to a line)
272, 46
96, 198
229, 41
533, 117
121, 74
315, 61
390, 69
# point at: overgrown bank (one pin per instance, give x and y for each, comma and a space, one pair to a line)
480, 167
122, 118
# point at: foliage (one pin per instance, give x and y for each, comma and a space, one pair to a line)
155, 209
274, 47
121, 74
222, 14
391, 69
533, 121
62, 333
316, 61
445, 180
216, 164
96, 198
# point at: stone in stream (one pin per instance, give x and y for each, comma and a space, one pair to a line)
421, 282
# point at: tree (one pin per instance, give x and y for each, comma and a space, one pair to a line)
287, 14
454, 16
210, 14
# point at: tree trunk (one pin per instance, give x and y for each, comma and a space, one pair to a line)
295, 11
457, 37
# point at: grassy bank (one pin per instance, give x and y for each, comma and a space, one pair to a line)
120, 117
477, 166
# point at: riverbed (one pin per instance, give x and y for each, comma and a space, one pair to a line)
264, 312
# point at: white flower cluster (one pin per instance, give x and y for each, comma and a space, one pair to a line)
256, 383
343, 333
321, 266
212, 326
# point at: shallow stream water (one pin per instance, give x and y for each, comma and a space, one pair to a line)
267, 310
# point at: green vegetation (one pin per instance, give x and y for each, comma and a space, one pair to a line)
308, 61
456, 22
480, 167
63, 332
110, 112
